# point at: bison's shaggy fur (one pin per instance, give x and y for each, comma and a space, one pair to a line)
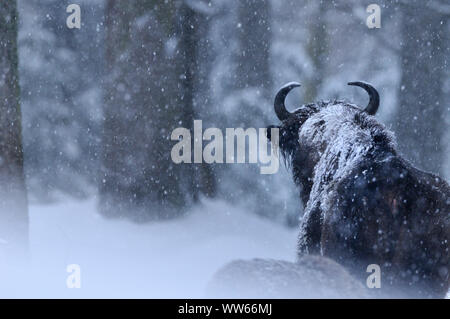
364, 203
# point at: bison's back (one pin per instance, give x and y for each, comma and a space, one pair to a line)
389, 213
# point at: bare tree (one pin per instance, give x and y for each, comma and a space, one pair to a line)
317, 48
13, 196
255, 38
138, 179
151, 82
250, 82
424, 55
192, 28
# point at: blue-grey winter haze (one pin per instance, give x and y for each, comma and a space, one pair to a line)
88, 108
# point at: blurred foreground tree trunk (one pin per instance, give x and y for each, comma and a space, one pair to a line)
13, 196
420, 124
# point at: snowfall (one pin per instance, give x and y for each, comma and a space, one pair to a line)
121, 259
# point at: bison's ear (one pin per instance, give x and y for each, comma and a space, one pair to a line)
374, 101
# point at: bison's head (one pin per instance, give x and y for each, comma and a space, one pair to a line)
307, 131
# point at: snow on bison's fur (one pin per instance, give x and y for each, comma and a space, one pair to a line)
364, 203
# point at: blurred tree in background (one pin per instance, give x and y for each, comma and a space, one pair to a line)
60, 76
422, 104
316, 48
152, 76
140, 107
244, 88
193, 52
13, 195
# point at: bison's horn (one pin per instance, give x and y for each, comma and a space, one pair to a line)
280, 108
374, 101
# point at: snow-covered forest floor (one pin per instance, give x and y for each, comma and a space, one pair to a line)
120, 259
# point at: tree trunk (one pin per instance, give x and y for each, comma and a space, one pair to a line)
255, 38
150, 87
420, 120
13, 196
317, 48
193, 50
250, 98
139, 180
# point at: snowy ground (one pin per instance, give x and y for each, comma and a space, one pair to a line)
119, 259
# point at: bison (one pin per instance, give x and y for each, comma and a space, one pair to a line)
364, 203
